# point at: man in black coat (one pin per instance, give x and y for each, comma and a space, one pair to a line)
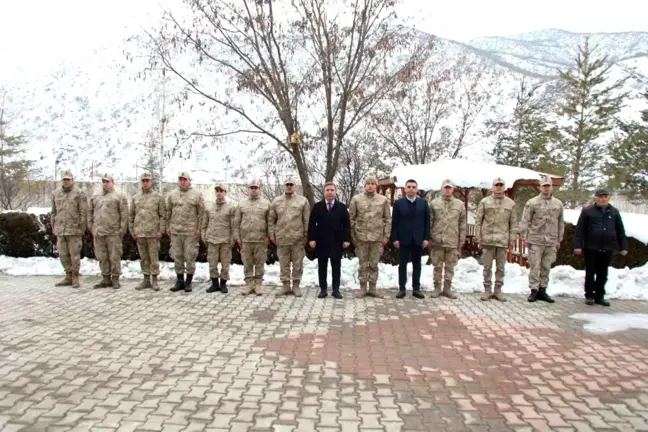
410, 234
599, 231
329, 232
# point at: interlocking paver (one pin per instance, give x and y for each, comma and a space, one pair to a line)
126, 360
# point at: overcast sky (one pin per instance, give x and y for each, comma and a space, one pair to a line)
41, 31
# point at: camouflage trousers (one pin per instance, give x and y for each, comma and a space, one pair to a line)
108, 250
219, 253
291, 254
149, 248
444, 259
368, 254
184, 251
69, 250
540, 259
254, 257
498, 254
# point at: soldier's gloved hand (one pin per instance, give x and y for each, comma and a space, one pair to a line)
557, 245
312, 244
274, 241
266, 241
384, 242
121, 233
239, 243
158, 235
198, 235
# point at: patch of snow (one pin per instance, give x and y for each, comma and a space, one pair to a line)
464, 174
636, 225
610, 323
564, 280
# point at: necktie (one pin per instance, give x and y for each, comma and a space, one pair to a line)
329, 206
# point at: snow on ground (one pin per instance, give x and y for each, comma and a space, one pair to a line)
464, 174
564, 280
636, 225
610, 323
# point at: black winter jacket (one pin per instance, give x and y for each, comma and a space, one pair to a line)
600, 229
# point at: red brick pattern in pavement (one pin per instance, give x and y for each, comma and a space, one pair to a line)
523, 376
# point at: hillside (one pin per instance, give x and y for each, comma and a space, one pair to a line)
96, 115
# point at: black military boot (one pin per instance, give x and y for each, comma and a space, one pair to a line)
187, 287
543, 296
214, 286
533, 296
180, 283
223, 286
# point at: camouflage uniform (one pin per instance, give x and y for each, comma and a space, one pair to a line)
147, 218
69, 222
542, 226
495, 229
447, 232
370, 217
288, 229
218, 233
251, 228
108, 221
185, 209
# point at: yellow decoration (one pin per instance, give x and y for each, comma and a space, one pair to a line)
295, 138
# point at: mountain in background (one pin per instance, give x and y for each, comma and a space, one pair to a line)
98, 116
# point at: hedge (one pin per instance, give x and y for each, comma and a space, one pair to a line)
26, 235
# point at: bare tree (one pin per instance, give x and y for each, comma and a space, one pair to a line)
357, 160
275, 168
339, 62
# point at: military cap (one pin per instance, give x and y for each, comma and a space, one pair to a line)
146, 175
499, 180
255, 182
67, 175
107, 176
222, 186
184, 174
601, 192
371, 178
447, 182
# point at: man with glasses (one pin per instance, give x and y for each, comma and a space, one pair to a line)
495, 231
448, 232
251, 232
108, 221
147, 222
218, 233
599, 231
370, 217
542, 228
185, 207
288, 230
410, 233
69, 223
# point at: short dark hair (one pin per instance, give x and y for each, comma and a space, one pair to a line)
330, 184
411, 181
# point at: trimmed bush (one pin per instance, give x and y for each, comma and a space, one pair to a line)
25, 235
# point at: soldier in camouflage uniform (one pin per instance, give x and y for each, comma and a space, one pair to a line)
108, 221
542, 229
495, 231
370, 217
288, 229
69, 222
251, 232
185, 207
147, 222
218, 233
448, 233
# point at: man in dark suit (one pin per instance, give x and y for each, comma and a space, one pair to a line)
598, 232
329, 233
410, 234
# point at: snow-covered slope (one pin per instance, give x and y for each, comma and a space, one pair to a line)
97, 115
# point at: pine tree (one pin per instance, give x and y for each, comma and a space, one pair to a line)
629, 169
589, 108
522, 140
15, 168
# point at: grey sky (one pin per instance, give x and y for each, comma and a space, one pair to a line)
40, 32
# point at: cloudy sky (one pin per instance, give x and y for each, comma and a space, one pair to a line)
37, 32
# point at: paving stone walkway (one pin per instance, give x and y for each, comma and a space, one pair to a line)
106, 360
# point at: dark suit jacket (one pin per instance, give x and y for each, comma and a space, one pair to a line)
410, 227
329, 229
600, 229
